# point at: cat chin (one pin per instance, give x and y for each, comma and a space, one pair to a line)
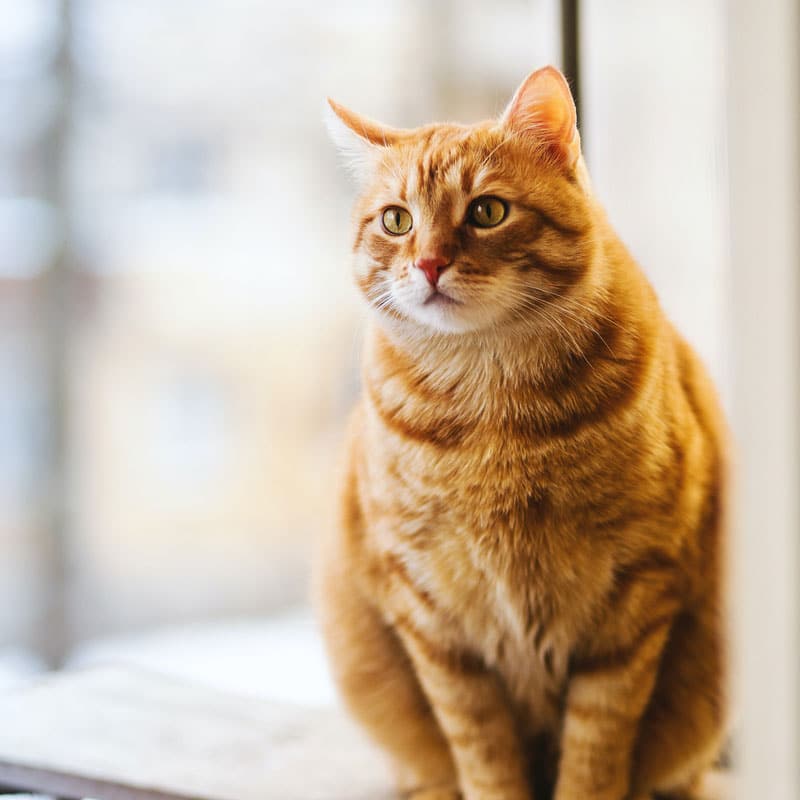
426, 319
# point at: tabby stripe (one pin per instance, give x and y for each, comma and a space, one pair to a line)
474, 735
548, 250
652, 560
652, 563
394, 363
423, 164
365, 282
617, 519
648, 509
420, 177
712, 510
466, 738
445, 164
547, 660
481, 715
602, 772
589, 713
395, 566
562, 424
515, 237
623, 657
562, 227
581, 369
362, 226
497, 779
686, 372
627, 389
462, 661
565, 276
467, 178
671, 479
444, 433
538, 636
530, 620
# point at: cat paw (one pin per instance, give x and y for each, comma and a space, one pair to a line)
714, 785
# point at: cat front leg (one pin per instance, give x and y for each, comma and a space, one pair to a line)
606, 698
379, 684
474, 713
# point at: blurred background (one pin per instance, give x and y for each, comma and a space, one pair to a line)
178, 332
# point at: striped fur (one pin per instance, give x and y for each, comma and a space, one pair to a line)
523, 595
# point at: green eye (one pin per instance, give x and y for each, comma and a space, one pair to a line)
486, 212
396, 221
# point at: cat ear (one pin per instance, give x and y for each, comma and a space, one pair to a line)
358, 138
543, 109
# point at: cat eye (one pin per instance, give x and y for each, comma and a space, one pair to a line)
486, 212
396, 221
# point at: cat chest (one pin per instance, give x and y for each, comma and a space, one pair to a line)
492, 550
494, 591
485, 564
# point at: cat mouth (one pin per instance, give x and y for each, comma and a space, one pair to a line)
439, 298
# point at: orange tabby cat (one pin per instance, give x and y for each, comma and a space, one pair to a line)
524, 595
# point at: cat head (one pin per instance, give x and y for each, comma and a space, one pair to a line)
469, 228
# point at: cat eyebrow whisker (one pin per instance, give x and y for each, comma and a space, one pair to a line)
396, 172
485, 161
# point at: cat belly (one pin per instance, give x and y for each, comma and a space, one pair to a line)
516, 631
534, 671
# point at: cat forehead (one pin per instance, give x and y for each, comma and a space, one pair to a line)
441, 157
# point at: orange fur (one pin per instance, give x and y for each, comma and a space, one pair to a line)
523, 597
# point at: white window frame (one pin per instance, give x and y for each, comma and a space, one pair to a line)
764, 159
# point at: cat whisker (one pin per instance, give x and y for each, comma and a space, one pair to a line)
566, 311
524, 302
594, 311
486, 160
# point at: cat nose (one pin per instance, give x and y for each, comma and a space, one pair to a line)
433, 266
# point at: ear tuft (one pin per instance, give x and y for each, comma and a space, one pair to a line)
357, 138
354, 151
543, 109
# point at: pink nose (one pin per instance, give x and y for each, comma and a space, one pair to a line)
433, 267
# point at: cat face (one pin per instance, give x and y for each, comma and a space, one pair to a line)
463, 228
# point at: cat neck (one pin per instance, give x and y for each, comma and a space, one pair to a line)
608, 322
